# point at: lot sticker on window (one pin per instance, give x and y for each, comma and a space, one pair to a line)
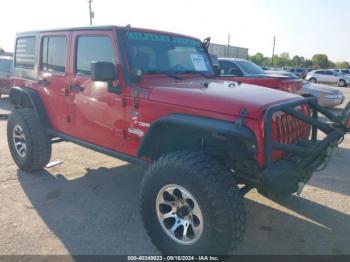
198, 62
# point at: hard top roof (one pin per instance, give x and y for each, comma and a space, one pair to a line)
105, 28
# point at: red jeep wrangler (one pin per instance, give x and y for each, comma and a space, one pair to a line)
151, 98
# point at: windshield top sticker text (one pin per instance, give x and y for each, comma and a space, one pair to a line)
140, 36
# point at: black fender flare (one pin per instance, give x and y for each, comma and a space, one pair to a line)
171, 130
24, 97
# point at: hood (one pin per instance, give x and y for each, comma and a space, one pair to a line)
218, 96
318, 88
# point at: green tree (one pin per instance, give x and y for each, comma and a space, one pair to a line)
285, 55
258, 59
2, 50
342, 65
298, 61
308, 63
320, 60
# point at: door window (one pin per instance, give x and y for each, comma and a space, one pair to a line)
93, 49
54, 52
230, 68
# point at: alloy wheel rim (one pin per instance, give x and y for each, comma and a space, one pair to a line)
179, 214
19, 141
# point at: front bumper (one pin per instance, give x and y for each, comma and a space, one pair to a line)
303, 158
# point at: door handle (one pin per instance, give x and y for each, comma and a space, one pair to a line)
43, 82
76, 89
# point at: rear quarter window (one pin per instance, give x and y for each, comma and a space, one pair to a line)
25, 52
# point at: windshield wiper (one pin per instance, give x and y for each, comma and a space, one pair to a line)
197, 72
151, 72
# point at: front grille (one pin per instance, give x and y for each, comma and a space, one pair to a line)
291, 130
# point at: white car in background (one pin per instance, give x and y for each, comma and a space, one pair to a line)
326, 96
342, 71
328, 77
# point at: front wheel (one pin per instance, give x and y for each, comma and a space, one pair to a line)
191, 205
28, 141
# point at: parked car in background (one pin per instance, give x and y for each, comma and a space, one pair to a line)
5, 74
326, 96
342, 71
244, 71
300, 72
328, 77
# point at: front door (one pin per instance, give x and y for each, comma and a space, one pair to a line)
54, 79
97, 115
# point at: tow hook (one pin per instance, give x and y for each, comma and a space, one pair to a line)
300, 188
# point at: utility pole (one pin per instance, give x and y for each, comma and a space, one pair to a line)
273, 49
228, 45
91, 13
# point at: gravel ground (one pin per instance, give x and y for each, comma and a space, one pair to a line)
89, 205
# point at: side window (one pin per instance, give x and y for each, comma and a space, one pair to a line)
90, 49
25, 52
230, 68
54, 52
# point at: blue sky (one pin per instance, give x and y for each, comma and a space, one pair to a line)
302, 27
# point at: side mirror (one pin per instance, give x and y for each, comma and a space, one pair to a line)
105, 72
216, 65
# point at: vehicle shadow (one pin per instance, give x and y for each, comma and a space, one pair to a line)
98, 214
335, 177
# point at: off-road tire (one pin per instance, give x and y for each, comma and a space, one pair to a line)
38, 146
216, 192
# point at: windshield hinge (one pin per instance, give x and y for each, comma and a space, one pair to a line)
242, 119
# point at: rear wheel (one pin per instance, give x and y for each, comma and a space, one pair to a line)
342, 83
191, 205
28, 141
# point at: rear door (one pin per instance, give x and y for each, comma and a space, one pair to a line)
332, 77
97, 115
54, 78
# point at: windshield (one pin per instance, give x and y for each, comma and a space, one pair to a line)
156, 53
250, 68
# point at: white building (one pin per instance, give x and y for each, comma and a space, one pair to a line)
228, 51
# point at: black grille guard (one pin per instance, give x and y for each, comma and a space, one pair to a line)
334, 131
